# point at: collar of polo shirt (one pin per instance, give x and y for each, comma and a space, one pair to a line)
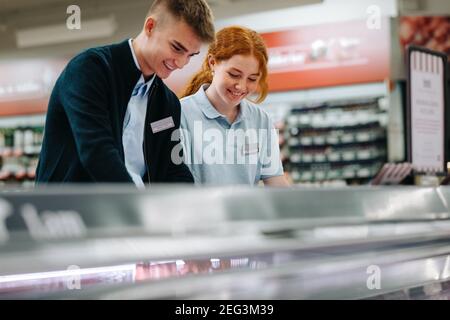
208, 109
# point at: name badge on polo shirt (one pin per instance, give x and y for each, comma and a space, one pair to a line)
250, 148
162, 124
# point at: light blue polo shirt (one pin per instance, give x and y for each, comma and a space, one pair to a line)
219, 153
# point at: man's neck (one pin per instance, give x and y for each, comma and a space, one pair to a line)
147, 72
147, 78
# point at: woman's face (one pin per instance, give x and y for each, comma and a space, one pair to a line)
235, 78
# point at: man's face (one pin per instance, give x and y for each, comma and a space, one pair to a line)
168, 46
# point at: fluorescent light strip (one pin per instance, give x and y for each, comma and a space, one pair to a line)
54, 34
65, 273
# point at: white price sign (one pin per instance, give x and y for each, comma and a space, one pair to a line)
427, 116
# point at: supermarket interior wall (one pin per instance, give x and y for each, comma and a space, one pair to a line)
128, 17
423, 7
271, 16
326, 12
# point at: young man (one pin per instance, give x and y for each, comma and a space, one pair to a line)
110, 117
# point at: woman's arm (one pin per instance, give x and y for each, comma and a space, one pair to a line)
278, 181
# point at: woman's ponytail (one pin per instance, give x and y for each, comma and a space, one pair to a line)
200, 78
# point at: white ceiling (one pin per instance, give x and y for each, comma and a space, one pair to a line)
9, 6
22, 8
129, 14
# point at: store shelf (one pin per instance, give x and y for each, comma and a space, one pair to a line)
319, 95
344, 140
23, 121
19, 150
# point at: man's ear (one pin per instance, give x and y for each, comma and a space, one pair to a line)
149, 25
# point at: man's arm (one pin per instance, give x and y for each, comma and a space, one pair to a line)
84, 96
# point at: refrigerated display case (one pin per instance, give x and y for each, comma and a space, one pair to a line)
225, 243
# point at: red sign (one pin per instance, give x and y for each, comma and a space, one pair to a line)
328, 55
25, 86
331, 54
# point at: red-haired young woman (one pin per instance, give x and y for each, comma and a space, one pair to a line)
227, 138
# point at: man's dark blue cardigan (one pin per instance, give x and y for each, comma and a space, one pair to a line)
84, 125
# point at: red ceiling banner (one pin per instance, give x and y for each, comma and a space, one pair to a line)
25, 85
331, 54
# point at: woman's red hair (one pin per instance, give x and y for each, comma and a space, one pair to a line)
231, 41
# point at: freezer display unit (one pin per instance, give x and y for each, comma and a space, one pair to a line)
179, 242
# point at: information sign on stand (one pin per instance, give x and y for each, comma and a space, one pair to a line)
426, 111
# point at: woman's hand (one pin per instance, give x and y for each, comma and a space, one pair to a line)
279, 181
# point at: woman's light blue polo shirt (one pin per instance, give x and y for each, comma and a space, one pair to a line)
220, 153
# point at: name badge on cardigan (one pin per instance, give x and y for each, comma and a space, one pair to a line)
162, 124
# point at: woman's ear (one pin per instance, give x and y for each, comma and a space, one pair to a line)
211, 62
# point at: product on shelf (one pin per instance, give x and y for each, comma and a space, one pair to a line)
336, 141
19, 152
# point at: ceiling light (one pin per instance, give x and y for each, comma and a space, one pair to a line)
54, 34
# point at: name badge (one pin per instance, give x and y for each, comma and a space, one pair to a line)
162, 124
250, 148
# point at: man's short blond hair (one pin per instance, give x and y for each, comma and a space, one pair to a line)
196, 13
